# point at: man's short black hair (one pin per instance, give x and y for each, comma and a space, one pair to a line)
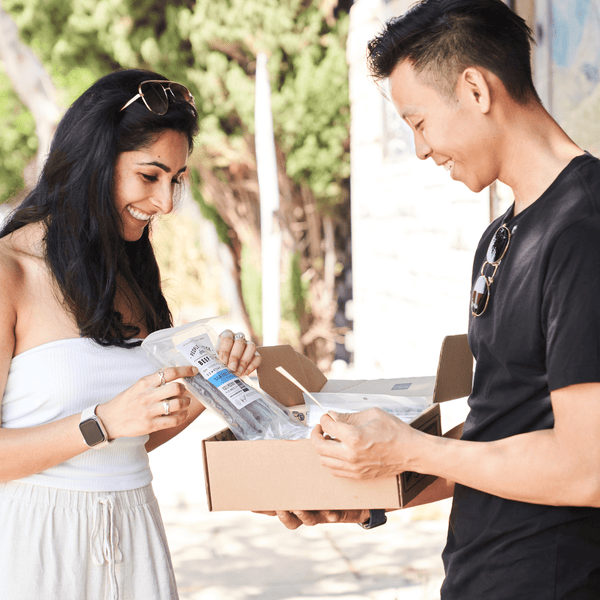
441, 38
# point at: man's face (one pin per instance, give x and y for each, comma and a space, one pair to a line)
454, 133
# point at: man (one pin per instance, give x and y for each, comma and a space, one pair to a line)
525, 477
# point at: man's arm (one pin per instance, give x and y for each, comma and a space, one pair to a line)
441, 488
558, 466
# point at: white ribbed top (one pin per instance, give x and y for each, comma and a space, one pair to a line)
62, 378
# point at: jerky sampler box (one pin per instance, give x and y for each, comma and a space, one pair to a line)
287, 475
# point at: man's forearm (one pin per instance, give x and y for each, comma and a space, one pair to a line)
532, 467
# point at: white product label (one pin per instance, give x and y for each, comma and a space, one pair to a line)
200, 353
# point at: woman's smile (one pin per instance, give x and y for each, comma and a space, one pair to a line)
136, 214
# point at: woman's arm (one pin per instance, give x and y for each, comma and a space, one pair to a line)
158, 438
136, 411
27, 451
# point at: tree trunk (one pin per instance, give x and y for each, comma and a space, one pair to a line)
33, 86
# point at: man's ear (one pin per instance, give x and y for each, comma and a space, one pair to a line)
475, 87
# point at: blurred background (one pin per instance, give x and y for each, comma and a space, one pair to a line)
309, 221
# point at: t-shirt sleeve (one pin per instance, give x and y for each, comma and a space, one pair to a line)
571, 306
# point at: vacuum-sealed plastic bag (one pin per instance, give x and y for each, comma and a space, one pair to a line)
250, 414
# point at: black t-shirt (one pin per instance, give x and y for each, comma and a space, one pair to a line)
539, 333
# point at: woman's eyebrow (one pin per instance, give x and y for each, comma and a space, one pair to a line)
160, 165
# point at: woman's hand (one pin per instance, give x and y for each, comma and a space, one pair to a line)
237, 353
153, 403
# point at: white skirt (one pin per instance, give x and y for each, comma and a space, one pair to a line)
82, 545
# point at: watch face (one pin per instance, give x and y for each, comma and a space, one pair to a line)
92, 434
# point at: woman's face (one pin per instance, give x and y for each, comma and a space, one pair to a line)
145, 181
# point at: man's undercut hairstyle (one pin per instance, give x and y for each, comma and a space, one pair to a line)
442, 38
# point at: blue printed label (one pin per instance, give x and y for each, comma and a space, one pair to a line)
222, 377
213, 370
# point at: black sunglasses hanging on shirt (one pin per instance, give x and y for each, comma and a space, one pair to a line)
495, 253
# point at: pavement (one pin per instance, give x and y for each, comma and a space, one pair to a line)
242, 555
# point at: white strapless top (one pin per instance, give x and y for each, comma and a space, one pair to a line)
62, 378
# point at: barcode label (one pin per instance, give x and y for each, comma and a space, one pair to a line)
242, 385
213, 370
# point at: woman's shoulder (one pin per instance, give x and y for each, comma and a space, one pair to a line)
22, 244
20, 255
11, 277
11, 263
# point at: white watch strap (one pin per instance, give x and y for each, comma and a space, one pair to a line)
89, 413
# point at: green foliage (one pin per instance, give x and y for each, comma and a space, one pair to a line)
294, 293
251, 280
208, 211
190, 277
18, 142
315, 102
212, 47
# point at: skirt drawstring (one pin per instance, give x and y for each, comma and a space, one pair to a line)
104, 543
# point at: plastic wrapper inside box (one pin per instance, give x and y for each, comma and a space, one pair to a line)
404, 408
250, 414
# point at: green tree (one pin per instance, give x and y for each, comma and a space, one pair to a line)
18, 142
212, 47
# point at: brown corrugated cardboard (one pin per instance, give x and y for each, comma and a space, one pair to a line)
286, 475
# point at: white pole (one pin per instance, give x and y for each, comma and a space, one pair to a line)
269, 205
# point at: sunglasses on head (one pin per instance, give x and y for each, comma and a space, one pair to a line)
153, 92
495, 253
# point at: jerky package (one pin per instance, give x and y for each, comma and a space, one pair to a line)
250, 414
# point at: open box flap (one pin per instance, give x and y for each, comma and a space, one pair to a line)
454, 377
297, 365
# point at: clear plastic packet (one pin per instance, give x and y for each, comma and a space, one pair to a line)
250, 414
406, 408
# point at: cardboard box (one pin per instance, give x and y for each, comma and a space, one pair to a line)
287, 475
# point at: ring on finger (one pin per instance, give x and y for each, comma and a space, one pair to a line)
239, 336
167, 407
163, 381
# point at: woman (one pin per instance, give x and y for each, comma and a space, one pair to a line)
81, 403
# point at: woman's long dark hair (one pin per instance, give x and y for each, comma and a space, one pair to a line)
74, 200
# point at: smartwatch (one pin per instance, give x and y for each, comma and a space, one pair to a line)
376, 518
92, 430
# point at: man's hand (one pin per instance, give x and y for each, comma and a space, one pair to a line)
297, 518
363, 445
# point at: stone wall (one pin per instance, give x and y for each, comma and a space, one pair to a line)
414, 230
